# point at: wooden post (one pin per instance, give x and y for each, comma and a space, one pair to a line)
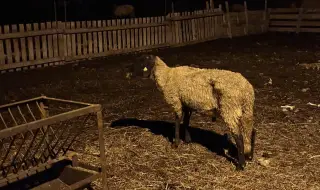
246, 30
211, 5
207, 5
102, 150
299, 20
172, 7
169, 30
65, 10
55, 10
228, 20
266, 16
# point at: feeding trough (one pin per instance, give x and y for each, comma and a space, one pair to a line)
36, 139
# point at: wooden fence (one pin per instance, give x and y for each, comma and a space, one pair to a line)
26, 46
294, 20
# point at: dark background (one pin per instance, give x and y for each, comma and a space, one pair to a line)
29, 11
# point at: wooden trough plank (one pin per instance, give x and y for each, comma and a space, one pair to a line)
48, 121
21, 102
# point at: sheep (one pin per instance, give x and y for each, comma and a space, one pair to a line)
207, 92
123, 11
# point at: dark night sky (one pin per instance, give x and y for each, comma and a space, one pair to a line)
28, 11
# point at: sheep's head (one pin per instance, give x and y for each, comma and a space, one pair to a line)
147, 66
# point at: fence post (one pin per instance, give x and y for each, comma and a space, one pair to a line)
228, 20
169, 28
246, 29
299, 20
266, 16
62, 41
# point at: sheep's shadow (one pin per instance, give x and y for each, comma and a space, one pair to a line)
211, 140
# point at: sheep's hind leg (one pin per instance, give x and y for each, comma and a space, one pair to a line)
186, 122
241, 158
214, 115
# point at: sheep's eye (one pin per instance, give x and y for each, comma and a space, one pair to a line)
145, 69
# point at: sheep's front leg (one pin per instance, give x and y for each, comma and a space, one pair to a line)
186, 123
241, 158
177, 131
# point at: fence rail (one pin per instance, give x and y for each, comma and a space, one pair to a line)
25, 46
294, 20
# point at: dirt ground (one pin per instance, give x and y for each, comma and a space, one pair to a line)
139, 124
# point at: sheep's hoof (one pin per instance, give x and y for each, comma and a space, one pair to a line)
176, 144
249, 157
187, 139
240, 167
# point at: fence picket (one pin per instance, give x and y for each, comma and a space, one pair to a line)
100, 39
16, 49
114, 39
37, 42
2, 53
84, 39
55, 41
68, 38
90, 41
79, 41
123, 34
95, 37
8, 45
44, 42
128, 37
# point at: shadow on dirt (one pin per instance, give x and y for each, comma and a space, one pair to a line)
209, 139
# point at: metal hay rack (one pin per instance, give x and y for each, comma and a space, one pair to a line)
36, 139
